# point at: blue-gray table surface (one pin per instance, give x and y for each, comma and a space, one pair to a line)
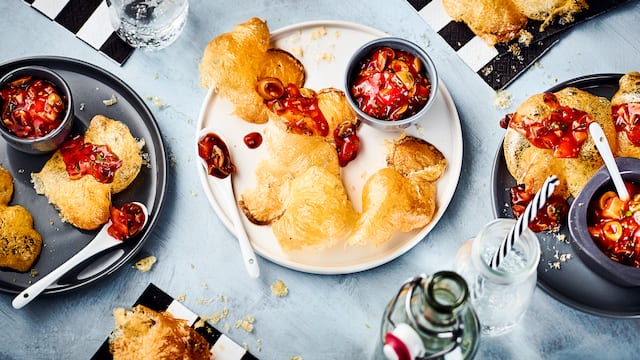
323, 317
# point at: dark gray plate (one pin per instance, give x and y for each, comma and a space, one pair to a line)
574, 284
89, 85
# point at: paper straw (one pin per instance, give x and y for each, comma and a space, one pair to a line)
523, 221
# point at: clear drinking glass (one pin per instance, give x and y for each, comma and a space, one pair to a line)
148, 24
499, 296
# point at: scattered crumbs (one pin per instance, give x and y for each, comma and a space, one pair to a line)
194, 194
487, 70
279, 289
192, 266
295, 37
112, 101
367, 326
81, 106
51, 222
296, 51
419, 128
318, 33
525, 38
173, 160
216, 317
538, 64
155, 76
514, 48
159, 103
223, 298
553, 79
246, 323
502, 99
337, 34
227, 327
34, 272
21, 171
181, 298
204, 285
205, 301
149, 97
258, 345
325, 56
198, 324
146, 160
296, 358
245, 346
145, 264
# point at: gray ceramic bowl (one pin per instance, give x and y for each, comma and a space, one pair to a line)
397, 44
52, 140
583, 243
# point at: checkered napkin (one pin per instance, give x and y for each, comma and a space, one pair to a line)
222, 347
498, 66
89, 21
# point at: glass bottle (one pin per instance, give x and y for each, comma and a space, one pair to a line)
430, 318
501, 295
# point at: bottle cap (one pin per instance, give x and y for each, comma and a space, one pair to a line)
403, 343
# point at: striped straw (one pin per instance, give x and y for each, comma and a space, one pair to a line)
523, 221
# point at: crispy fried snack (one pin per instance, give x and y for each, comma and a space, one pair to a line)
85, 202
234, 62
20, 243
531, 165
549, 10
625, 105
143, 333
402, 196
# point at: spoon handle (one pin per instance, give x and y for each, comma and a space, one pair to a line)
94, 247
605, 151
248, 255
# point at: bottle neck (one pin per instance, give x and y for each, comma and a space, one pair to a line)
443, 298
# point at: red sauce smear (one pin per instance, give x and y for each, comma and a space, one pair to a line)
627, 119
347, 142
302, 114
253, 140
126, 221
83, 158
391, 85
564, 130
31, 108
615, 225
213, 150
549, 217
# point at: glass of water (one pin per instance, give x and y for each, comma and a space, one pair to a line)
500, 296
148, 24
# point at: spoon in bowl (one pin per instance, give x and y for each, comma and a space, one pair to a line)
605, 151
105, 239
216, 160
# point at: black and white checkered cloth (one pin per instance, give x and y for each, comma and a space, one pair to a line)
499, 65
89, 21
154, 298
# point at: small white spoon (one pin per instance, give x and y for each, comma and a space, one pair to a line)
101, 242
605, 151
248, 255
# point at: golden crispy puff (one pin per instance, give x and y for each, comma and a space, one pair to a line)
531, 165
628, 92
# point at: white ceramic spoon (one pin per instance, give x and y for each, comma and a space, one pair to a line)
101, 242
248, 255
605, 151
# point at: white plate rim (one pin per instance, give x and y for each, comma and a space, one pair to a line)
444, 195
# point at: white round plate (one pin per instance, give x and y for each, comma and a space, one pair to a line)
324, 47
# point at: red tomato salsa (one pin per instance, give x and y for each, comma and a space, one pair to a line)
615, 225
126, 221
391, 85
31, 108
564, 130
347, 142
627, 119
302, 113
549, 217
83, 158
213, 150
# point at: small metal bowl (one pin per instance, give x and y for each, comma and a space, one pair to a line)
583, 244
53, 139
366, 50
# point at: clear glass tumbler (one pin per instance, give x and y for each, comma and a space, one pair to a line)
500, 296
148, 24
